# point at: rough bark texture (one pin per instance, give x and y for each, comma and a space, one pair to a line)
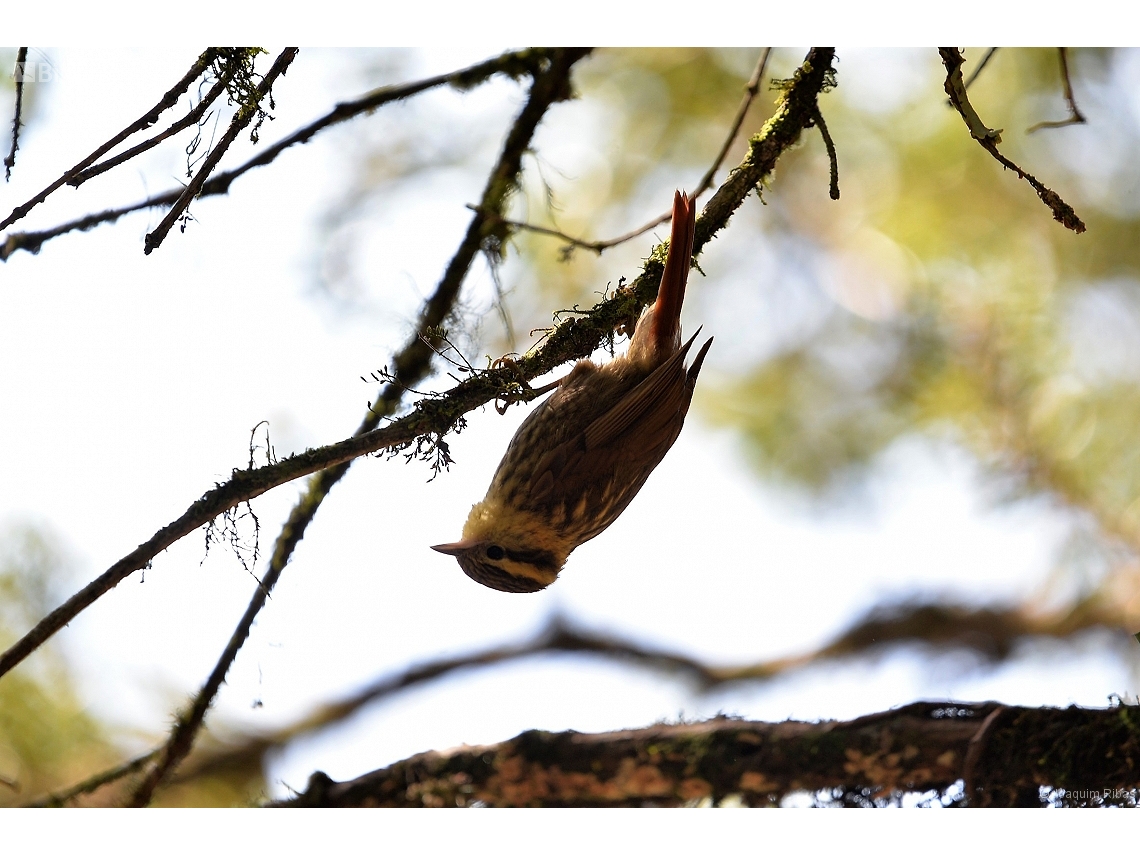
1005, 755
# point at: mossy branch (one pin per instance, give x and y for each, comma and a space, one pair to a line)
432, 418
551, 84
1003, 756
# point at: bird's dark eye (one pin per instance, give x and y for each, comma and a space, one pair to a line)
495, 552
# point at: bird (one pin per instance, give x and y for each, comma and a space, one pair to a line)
578, 460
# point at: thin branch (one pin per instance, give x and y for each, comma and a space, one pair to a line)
245, 115
993, 634
574, 338
10, 160
985, 61
32, 241
989, 139
600, 246
412, 365
833, 159
186, 121
870, 761
513, 63
741, 112
145, 121
1076, 117
95, 782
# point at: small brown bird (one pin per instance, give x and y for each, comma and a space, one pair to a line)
583, 454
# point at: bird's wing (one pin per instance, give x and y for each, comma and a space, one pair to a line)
632, 436
663, 390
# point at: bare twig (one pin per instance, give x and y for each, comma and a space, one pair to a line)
985, 61
989, 139
149, 118
512, 63
600, 246
412, 364
10, 160
574, 338
95, 782
245, 115
1075, 115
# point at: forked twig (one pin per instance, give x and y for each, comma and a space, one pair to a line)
1076, 117
186, 121
146, 120
95, 782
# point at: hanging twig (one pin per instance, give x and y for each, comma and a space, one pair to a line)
832, 158
989, 139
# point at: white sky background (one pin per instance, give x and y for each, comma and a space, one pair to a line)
130, 385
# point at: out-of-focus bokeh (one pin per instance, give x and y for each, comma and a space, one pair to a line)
922, 402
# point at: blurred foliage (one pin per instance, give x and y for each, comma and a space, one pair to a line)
48, 738
961, 309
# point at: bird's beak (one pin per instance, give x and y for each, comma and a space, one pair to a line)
457, 548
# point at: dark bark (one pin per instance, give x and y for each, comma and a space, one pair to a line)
1006, 754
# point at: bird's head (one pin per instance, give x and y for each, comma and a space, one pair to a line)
507, 550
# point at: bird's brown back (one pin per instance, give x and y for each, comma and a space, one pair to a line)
605, 429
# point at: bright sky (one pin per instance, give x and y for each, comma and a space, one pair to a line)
131, 383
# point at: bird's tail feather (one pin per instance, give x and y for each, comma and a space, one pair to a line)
671, 295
